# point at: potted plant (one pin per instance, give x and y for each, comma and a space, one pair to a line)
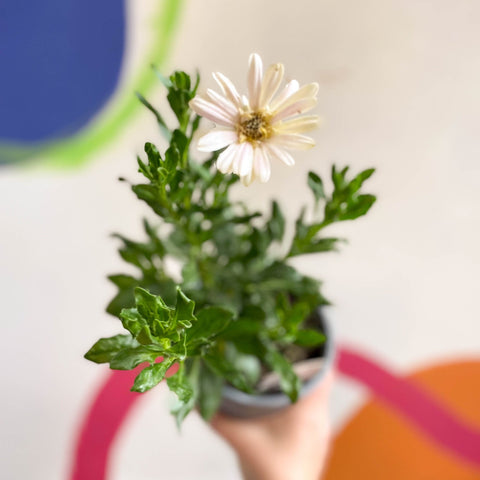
239, 316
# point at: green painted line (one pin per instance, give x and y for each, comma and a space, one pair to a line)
77, 149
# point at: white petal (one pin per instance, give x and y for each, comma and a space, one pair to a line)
280, 154
296, 108
261, 164
289, 89
301, 101
271, 82
247, 179
255, 73
222, 102
244, 150
216, 139
292, 141
297, 125
228, 88
246, 162
225, 159
211, 111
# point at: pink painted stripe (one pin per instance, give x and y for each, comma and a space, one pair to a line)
105, 416
111, 405
413, 402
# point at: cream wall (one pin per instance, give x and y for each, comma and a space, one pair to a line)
399, 91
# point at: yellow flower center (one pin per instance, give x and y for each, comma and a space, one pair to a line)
254, 127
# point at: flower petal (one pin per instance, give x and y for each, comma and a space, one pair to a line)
301, 101
298, 124
289, 89
228, 88
211, 111
261, 164
246, 161
222, 102
255, 73
216, 139
292, 141
279, 153
272, 80
225, 159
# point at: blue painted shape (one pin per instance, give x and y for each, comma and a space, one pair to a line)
59, 61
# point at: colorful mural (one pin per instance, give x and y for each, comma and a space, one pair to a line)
426, 425
64, 61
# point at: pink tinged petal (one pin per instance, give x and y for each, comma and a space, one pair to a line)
298, 125
255, 73
211, 111
279, 153
301, 101
216, 139
261, 164
222, 102
292, 141
228, 88
272, 80
225, 159
297, 108
289, 89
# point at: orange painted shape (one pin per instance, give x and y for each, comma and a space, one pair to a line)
378, 444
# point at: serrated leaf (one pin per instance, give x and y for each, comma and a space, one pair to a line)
106, 348
151, 376
180, 385
184, 309
129, 358
132, 320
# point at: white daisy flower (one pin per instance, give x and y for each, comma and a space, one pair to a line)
260, 128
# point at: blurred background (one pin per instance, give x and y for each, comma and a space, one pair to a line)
399, 90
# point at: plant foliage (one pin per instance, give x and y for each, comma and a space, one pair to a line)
239, 306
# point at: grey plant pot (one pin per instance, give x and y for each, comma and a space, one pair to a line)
243, 405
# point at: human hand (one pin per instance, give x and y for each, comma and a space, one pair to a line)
288, 445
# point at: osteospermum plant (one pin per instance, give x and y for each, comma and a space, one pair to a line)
239, 309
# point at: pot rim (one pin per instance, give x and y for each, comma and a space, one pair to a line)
279, 400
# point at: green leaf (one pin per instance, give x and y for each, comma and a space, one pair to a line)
209, 392
180, 385
184, 309
151, 376
132, 320
276, 224
359, 207
211, 321
309, 338
357, 182
289, 382
316, 186
314, 246
106, 348
163, 126
129, 358
225, 369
